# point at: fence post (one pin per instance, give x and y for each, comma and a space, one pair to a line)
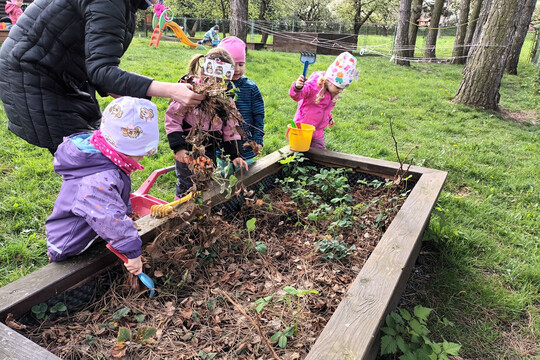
292, 29
185, 24
252, 23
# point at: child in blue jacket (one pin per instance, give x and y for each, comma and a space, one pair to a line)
249, 100
96, 168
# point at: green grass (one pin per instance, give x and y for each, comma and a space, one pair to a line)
485, 270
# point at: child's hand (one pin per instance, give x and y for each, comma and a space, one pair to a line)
300, 82
134, 266
239, 162
182, 156
332, 122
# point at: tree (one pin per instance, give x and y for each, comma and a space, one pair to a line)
360, 19
402, 33
457, 53
472, 26
484, 70
416, 12
480, 23
521, 32
239, 18
431, 40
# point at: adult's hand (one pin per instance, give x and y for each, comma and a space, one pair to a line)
182, 94
178, 92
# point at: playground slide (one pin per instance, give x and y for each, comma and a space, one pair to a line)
180, 34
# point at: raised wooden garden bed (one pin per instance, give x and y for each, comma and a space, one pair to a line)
352, 330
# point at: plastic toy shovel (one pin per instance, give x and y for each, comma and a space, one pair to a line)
145, 279
307, 58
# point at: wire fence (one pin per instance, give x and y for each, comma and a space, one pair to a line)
256, 28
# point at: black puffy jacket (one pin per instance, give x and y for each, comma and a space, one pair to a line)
57, 55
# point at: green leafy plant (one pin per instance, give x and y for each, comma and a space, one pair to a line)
406, 335
283, 336
206, 356
40, 310
334, 249
290, 298
259, 246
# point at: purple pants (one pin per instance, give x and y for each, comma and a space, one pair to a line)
318, 143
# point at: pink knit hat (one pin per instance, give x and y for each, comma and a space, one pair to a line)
236, 47
130, 126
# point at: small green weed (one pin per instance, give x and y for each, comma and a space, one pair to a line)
334, 249
407, 334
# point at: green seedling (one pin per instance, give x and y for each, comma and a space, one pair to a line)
406, 334
39, 310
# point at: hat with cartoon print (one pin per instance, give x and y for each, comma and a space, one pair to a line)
343, 71
130, 126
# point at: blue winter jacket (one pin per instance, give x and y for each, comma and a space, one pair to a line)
251, 105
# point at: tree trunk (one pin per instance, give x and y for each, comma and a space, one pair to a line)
223, 16
431, 41
239, 18
193, 29
519, 37
262, 13
457, 54
484, 70
480, 24
472, 26
402, 36
416, 12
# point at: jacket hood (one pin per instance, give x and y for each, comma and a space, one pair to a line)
10, 7
72, 162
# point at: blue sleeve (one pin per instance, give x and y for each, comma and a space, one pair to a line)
258, 115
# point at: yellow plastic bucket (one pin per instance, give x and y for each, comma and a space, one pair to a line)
300, 139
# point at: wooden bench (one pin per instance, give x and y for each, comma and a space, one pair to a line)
3, 35
255, 45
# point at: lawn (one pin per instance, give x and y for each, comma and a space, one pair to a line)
482, 249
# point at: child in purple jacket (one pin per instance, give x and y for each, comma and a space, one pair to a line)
318, 95
96, 168
220, 132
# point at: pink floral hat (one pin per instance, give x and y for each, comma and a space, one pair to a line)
343, 71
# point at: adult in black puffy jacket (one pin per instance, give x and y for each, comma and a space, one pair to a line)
59, 54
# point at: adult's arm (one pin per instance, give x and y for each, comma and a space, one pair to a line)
106, 32
105, 36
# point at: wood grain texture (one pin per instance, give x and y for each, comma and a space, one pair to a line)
353, 328
352, 331
14, 346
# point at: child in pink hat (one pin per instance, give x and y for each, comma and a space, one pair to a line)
318, 95
96, 168
13, 9
249, 102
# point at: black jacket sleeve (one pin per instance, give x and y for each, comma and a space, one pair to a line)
107, 36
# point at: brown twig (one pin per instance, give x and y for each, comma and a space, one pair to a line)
259, 330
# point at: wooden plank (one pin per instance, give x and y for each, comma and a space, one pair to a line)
53, 279
295, 42
378, 167
353, 328
14, 346
352, 331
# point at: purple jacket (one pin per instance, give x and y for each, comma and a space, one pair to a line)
93, 200
307, 112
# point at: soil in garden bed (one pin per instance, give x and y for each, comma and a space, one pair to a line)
256, 281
